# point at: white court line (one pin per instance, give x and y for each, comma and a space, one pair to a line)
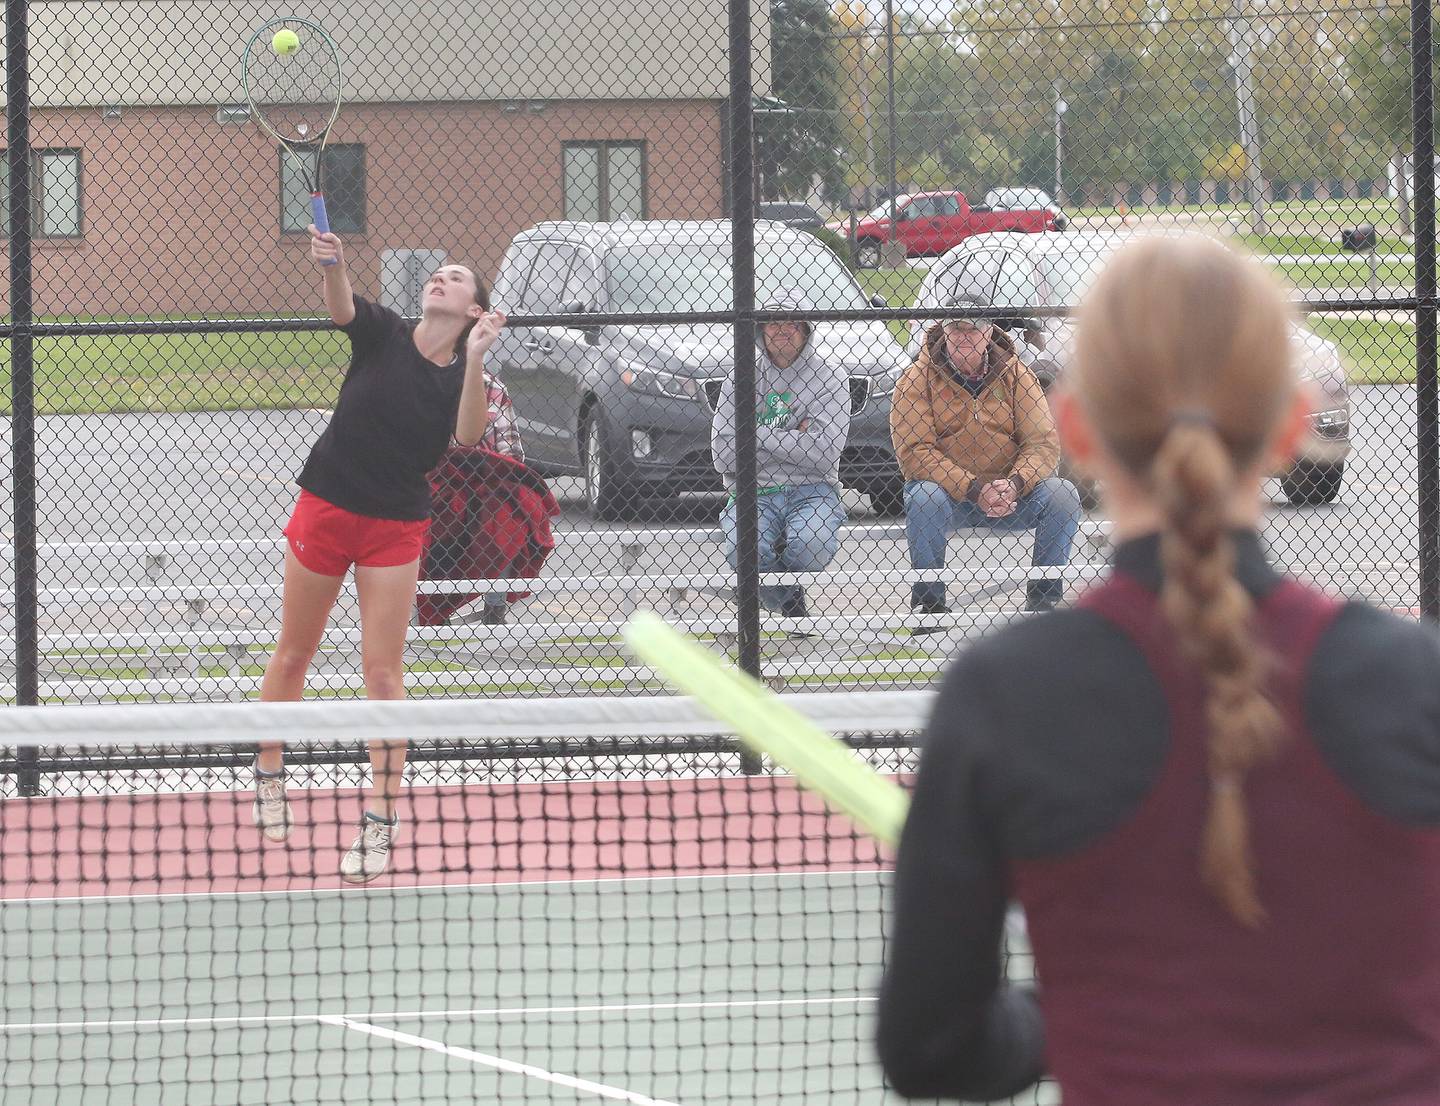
239, 1021
602, 1090
509, 885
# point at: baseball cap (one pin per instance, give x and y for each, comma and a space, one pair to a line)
968, 301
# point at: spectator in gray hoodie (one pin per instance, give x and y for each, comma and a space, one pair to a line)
802, 418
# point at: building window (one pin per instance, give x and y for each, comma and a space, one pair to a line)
604, 181
343, 181
54, 194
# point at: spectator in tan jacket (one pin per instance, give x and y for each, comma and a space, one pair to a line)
977, 447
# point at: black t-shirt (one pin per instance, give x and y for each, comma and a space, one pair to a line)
392, 421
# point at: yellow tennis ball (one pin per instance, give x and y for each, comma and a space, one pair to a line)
285, 41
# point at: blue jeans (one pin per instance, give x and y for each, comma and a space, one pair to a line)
799, 532
1051, 509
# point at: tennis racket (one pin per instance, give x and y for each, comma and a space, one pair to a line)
762, 721
295, 97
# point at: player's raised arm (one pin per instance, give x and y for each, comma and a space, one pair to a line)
329, 254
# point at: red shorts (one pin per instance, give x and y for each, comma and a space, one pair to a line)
328, 539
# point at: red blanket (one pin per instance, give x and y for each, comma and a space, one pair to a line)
489, 519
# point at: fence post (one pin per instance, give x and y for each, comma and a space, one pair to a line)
742, 264
22, 378
1427, 395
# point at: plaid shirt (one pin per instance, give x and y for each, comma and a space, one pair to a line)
502, 435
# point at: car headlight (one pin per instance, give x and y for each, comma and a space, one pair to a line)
884, 384
1046, 371
1333, 424
657, 382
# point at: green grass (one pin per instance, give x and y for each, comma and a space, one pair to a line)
1376, 210
1317, 244
899, 287
107, 374
1353, 275
1374, 351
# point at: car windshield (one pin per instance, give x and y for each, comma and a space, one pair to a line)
1069, 276
1018, 199
695, 276
883, 211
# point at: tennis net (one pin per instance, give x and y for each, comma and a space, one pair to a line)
585, 900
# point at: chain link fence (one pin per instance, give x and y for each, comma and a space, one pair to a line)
725, 241
789, 287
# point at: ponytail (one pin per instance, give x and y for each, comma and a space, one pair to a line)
482, 297
1212, 616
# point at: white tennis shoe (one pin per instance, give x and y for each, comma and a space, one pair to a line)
369, 856
271, 811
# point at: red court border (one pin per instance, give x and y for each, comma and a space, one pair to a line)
205, 843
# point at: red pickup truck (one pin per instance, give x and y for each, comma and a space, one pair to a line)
933, 222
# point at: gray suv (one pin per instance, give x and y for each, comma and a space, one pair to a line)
628, 407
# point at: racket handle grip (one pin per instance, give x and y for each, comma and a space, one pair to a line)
319, 216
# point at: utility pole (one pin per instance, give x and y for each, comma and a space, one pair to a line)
870, 167
890, 112
1061, 107
1241, 43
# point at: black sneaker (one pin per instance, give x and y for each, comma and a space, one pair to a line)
1043, 595
928, 607
795, 607
493, 614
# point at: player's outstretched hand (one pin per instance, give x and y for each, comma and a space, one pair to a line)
325, 249
483, 334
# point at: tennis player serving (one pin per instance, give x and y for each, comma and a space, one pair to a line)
365, 503
1215, 791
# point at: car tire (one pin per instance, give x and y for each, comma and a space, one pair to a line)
867, 254
888, 499
606, 495
1311, 485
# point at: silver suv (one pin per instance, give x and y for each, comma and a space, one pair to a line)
1054, 270
628, 407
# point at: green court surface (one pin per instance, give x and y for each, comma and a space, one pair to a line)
749, 988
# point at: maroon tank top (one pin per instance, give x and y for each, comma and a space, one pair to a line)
1153, 993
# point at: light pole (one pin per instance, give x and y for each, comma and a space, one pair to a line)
890, 108
1061, 107
1239, 31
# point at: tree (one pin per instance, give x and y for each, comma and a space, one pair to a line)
1300, 91
858, 94
1378, 61
799, 138
937, 103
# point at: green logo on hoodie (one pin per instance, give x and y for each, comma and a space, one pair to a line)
775, 410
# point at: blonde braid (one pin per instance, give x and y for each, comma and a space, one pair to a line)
1212, 616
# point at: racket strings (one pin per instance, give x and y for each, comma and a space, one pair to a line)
294, 95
